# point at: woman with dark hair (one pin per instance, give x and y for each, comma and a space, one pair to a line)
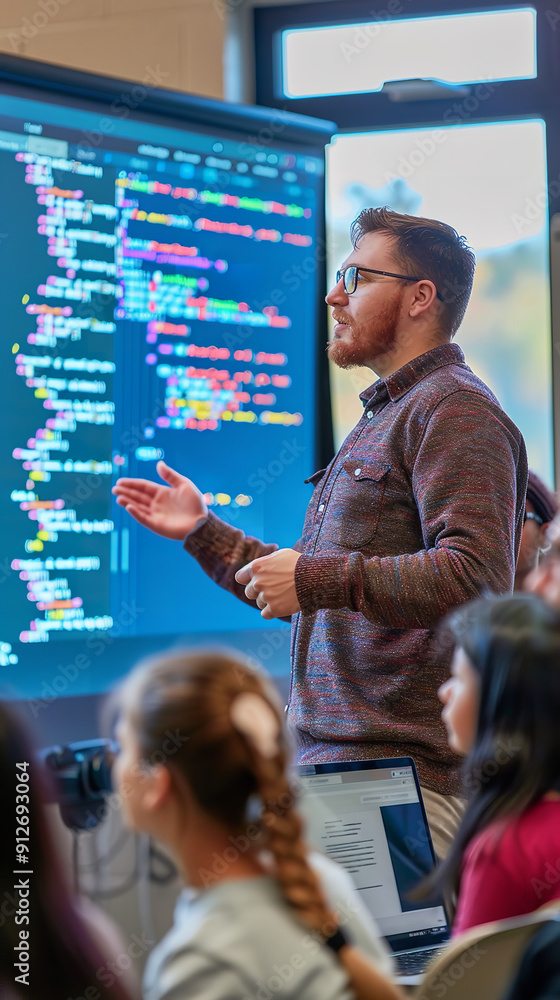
65, 953
502, 710
203, 767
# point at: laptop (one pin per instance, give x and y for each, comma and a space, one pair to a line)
368, 815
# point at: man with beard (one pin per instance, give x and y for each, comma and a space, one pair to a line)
420, 511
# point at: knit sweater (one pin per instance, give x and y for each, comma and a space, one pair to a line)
420, 511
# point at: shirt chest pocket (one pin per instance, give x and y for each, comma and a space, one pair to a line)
351, 514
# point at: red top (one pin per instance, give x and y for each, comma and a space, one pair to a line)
511, 868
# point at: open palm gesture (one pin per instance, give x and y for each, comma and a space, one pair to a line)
173, 510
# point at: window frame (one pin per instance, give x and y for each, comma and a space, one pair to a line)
366, 110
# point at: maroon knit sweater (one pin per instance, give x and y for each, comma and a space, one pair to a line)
420, 511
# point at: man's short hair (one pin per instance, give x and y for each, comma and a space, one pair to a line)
429, 249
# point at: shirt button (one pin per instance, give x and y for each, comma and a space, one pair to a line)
321, 507
369, 414
357, 472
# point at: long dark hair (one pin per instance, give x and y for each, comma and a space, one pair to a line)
513, 644
63, 959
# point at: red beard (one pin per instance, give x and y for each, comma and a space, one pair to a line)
371, 342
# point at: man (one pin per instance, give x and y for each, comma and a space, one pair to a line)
421, 510
540, 510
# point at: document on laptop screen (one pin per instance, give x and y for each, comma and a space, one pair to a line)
371, 823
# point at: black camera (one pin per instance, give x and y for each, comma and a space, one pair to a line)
82, 777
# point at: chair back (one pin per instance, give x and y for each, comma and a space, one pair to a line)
480, 964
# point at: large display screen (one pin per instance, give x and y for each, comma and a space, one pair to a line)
488, 181
156, 304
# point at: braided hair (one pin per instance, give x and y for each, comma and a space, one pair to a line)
230, 746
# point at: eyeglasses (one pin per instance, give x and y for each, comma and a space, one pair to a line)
349, 276
530, 516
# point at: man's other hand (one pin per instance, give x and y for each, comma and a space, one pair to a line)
172, 511
270, 581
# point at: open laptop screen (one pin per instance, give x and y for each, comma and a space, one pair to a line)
369, 817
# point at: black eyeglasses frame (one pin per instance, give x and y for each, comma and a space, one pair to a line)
373, 270
529, 515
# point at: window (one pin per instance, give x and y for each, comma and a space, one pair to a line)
489, 182
365, 56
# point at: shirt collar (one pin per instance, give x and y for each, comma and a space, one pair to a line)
405, 378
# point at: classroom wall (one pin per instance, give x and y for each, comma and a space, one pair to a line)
176, 44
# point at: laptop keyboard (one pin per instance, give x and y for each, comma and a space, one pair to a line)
413, 962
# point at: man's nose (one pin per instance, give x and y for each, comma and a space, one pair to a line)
337, 294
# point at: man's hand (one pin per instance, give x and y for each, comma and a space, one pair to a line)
271, 583
172, 511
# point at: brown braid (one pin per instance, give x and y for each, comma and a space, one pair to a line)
298, 881
190, 695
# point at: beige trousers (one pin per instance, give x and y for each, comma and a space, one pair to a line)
444, 813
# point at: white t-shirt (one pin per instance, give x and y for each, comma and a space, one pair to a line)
239, 940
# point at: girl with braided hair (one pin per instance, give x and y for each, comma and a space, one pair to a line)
203, 767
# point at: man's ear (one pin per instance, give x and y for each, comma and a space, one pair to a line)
157, 788
424, 295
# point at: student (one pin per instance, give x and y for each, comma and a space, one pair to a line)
202, 767
541, 507
68, 943
544, 580
502, 710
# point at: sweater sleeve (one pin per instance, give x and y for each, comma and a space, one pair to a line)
220, 550
465, 482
